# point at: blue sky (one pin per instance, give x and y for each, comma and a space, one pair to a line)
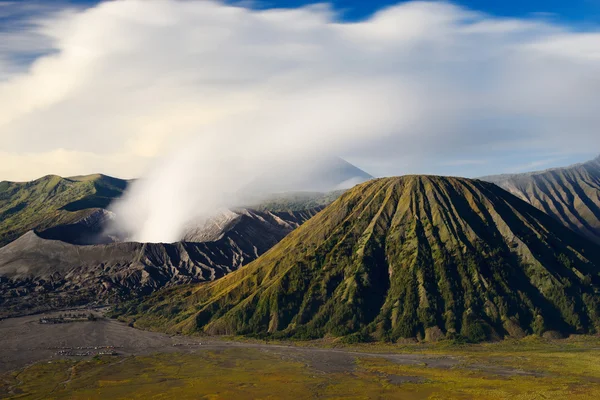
580, 13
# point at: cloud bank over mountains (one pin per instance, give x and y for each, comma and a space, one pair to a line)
124, 82
183, 92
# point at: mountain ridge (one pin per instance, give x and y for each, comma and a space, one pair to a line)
414, 256
541, 171
41, 265
569, 194
51, 201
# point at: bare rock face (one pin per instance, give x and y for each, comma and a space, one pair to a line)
39, 272
242, 222
571, 194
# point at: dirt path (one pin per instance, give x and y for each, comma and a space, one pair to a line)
336, 360
26, 341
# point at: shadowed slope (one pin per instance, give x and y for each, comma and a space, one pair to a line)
247, 227
51, 201
570, 194
40, 274
69, 209
401, 257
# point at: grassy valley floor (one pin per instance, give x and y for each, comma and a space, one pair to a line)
530, 368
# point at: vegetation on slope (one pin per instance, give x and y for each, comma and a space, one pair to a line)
571, 194
56, 207
51, 201
415, 256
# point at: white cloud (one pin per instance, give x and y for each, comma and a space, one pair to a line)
221, 91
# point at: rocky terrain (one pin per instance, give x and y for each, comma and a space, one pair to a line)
248, 227
38, 273
569, 194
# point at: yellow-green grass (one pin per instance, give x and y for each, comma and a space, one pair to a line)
525, 369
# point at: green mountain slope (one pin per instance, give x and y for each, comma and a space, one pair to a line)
51, 201
414, 256
570, 194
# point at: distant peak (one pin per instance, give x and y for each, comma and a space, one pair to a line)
423, 178
49, 177
90, 177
